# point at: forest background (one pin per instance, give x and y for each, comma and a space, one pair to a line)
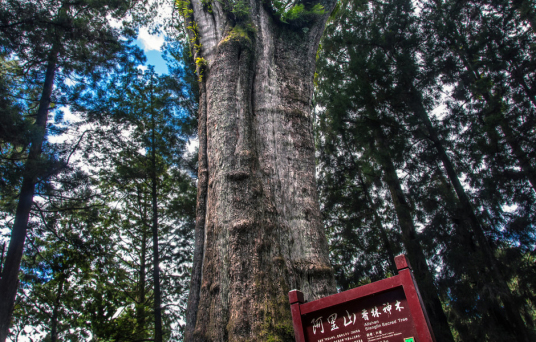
424, 126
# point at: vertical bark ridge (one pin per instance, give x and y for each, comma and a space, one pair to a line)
199, 233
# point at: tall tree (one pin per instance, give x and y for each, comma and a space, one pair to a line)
483, 58
258, 230
148, 171
495, 75
362, 242
70, 264
386, 65
358, 83
75, 38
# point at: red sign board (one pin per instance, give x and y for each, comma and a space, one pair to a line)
388, 310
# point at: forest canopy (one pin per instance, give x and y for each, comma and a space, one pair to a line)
424, 116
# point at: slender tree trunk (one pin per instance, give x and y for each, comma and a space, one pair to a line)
156, 257
156, 270
10, 273
515, 324
387, 246
140, 310
413, 248
263, 234
55, 311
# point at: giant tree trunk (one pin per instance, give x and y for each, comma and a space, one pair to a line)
10, 274
258, 212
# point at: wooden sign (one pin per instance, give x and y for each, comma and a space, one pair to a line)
389, 310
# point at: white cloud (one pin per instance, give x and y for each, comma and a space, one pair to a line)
149, 41
114, 22
192, 145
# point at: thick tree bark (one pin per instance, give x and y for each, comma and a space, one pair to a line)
10, 273
414, 251
262, 232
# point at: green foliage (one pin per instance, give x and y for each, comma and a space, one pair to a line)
239, 10
296, 14
94, 233
299, 12
77, 274
370, 80
55, 43
184, 8
148, 107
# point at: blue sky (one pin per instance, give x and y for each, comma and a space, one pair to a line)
152, 46
155, 58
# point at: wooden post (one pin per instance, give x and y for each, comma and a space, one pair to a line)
296, 298
422, 322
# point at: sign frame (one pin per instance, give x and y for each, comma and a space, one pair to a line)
404, 279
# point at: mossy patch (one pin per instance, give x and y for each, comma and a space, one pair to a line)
240, 34
277, 323
201, 65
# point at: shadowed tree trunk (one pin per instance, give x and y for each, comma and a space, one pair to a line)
156, 254
259, 232
140, 308
515, 324
55, 311
414, 251
10, 274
